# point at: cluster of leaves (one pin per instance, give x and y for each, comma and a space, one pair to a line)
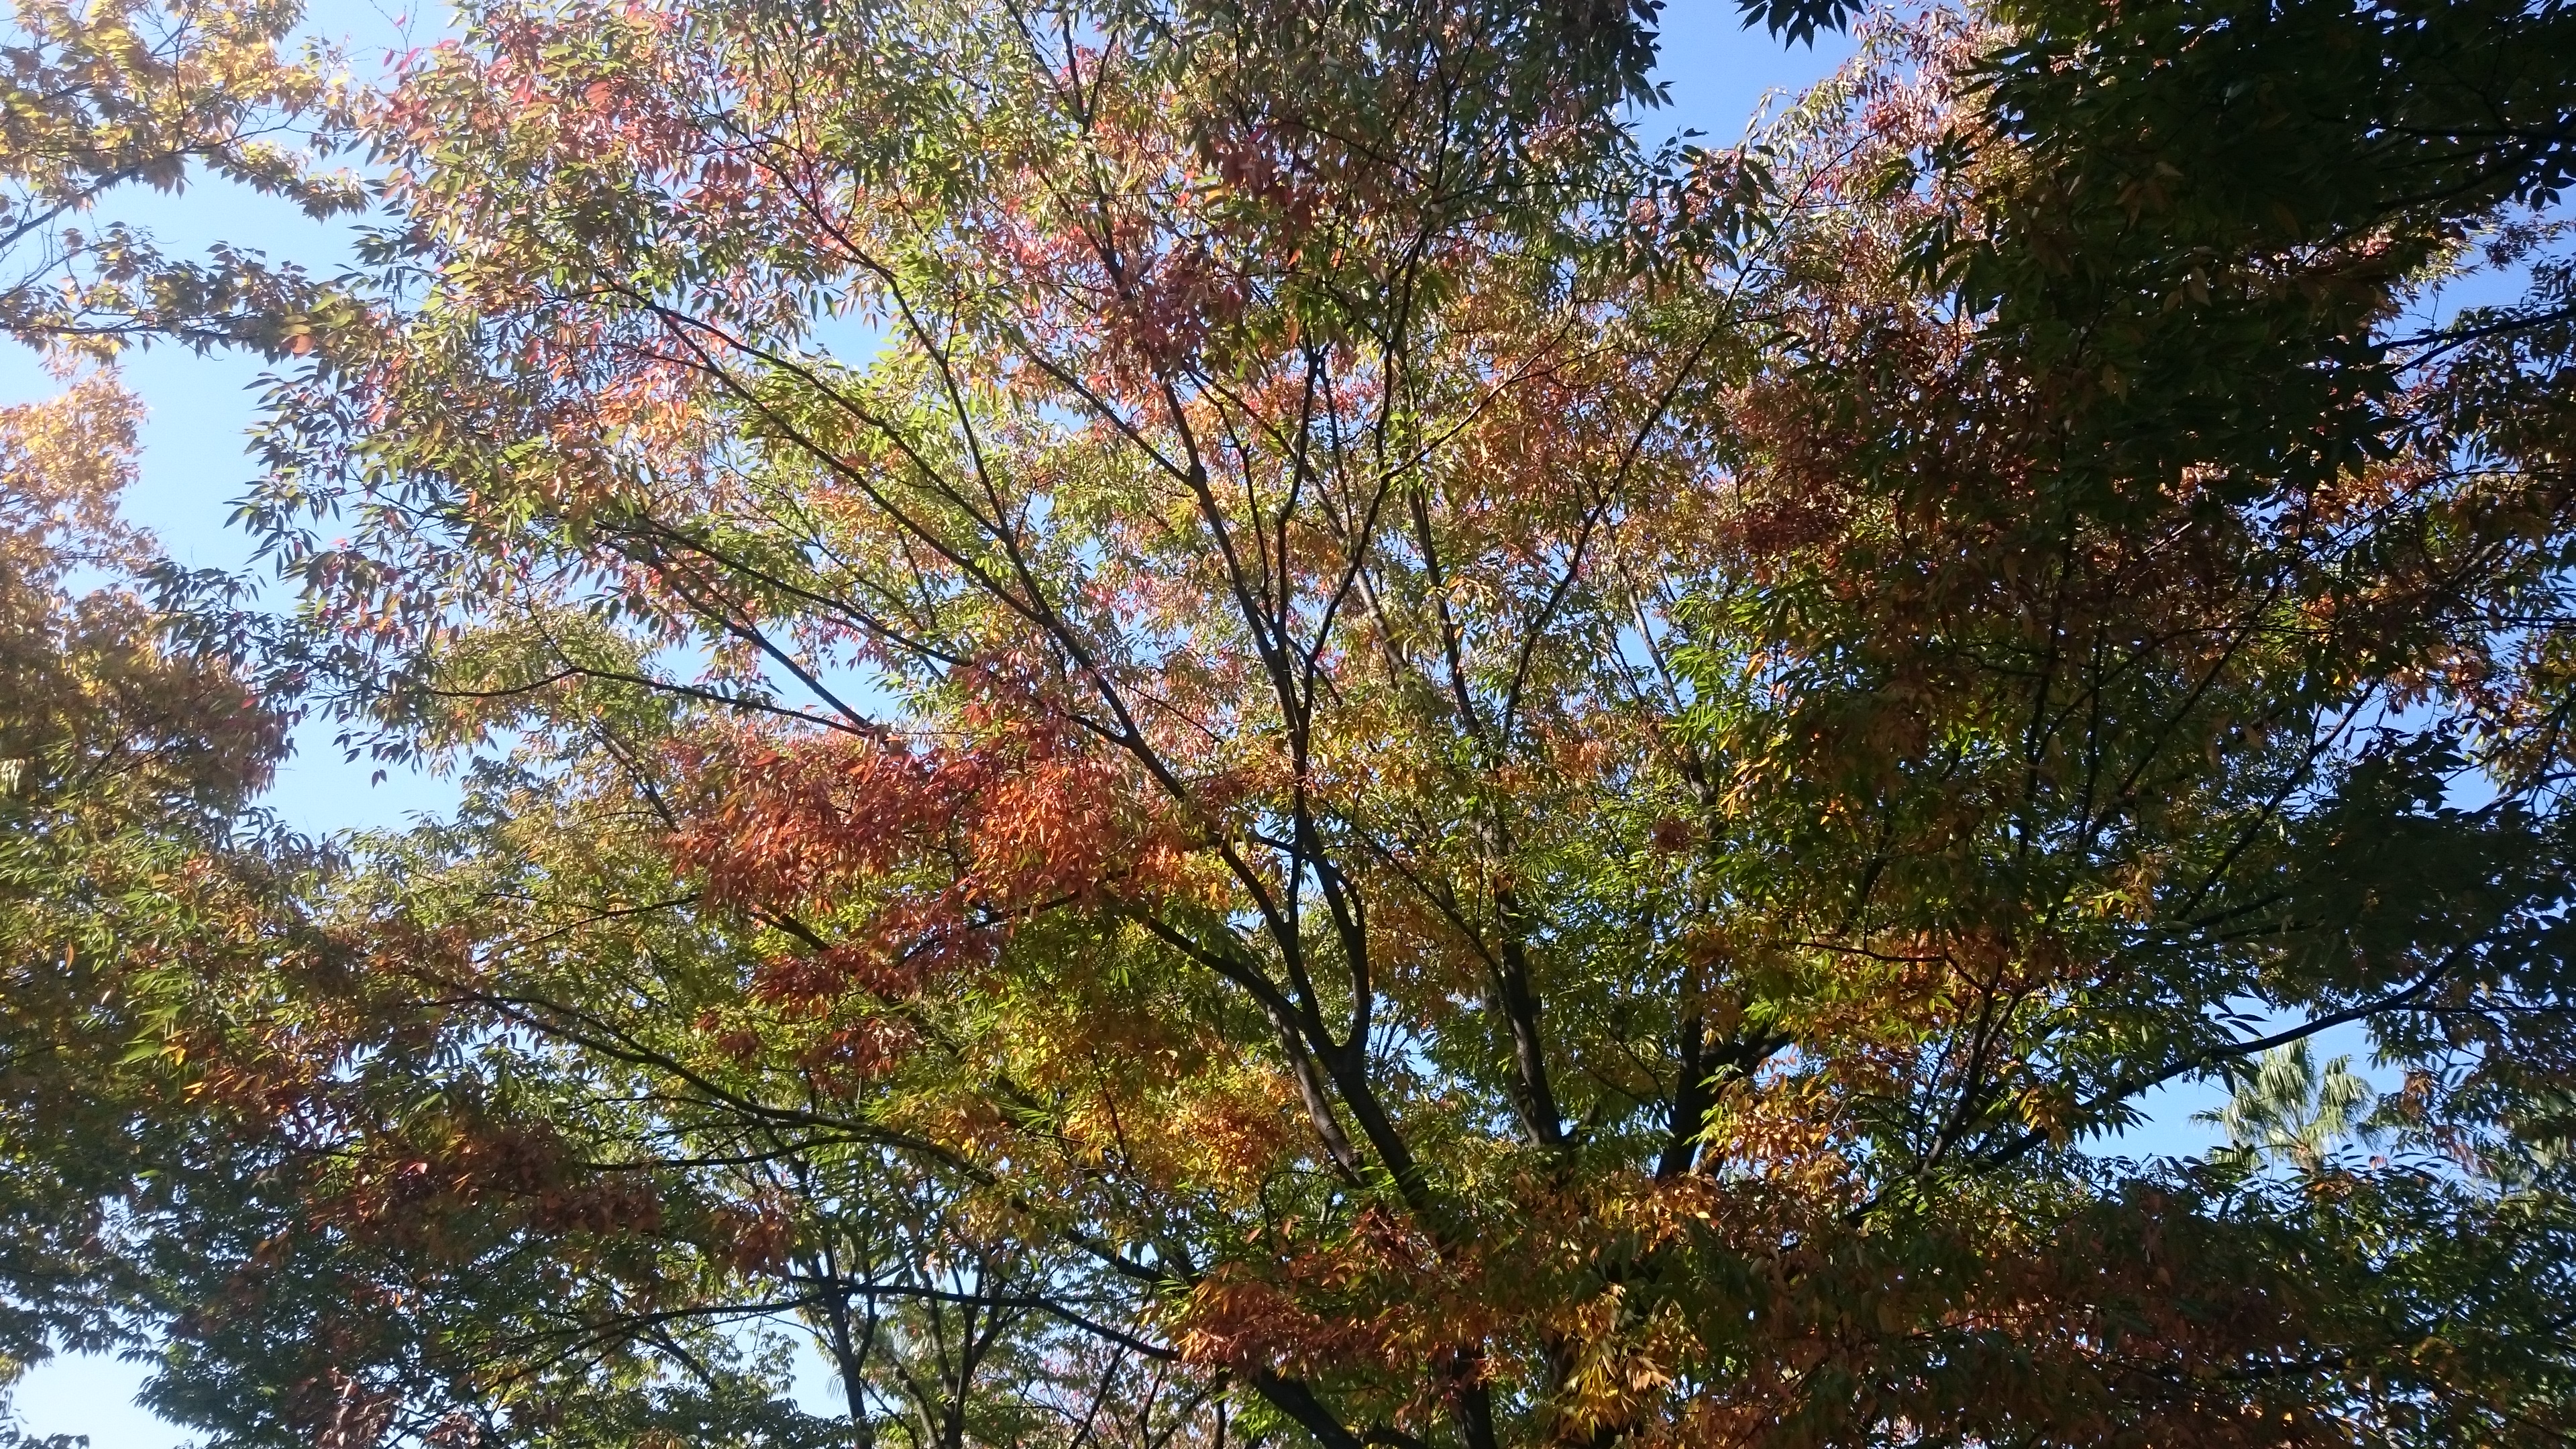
98, 97
1200, 720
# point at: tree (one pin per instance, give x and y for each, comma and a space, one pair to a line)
1216, 686
2286, 1109
142, 904
102, 97
125, 761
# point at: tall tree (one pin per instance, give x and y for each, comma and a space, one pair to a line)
141, 903
1214, 686
126, 759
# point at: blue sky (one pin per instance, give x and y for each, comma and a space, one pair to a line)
195, 465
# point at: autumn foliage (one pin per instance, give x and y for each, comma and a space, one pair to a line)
1205, 722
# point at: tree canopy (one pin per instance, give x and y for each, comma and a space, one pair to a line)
1215, 721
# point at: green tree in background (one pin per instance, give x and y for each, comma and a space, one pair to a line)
2286, 1110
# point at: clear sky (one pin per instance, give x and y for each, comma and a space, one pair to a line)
195, 466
